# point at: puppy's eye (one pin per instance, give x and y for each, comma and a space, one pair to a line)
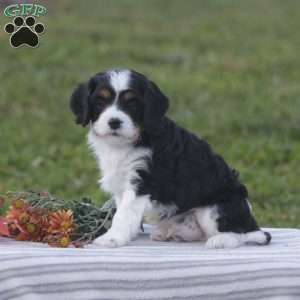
104, 94
130, 97
131, 100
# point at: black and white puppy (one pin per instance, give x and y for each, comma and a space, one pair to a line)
147, 162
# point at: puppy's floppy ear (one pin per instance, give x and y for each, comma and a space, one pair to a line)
79, 102
156, 105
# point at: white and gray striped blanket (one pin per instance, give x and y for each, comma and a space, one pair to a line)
152, 270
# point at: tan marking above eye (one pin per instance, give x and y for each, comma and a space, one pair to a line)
129, 94
104, 93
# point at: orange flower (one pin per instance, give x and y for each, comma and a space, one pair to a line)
58, 240
24, 218
17, 209
61, 222
27, 223
19, 204
31, 228
64, 241
30, 231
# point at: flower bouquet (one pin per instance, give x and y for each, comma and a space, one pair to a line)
41, 217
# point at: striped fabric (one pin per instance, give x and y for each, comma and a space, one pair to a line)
152, 270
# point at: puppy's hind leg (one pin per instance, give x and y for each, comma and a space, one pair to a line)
258, 237
225, 240
182, 227
233, 225
233, 240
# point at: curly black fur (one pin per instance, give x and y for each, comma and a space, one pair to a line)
185, 171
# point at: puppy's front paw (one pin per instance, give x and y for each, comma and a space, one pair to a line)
222, 241
107, 241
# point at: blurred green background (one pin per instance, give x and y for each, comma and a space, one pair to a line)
230, 68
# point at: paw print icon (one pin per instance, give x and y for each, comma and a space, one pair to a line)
24, 32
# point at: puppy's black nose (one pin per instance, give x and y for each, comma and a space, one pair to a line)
114, 123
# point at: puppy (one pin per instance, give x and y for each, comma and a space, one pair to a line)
147, 163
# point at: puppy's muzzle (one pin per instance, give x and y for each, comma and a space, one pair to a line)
114, 123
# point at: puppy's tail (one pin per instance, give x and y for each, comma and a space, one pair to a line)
259, 237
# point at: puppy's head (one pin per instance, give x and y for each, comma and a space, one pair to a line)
119, 105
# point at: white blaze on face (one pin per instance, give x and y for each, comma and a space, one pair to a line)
119, 80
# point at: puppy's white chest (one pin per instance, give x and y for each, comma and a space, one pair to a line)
119, 164
119, 169
114, 177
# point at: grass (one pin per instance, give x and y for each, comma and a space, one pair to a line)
231, 69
